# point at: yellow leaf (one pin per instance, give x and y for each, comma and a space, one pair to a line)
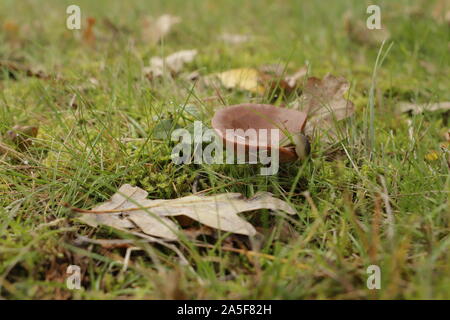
243, 78
432, 156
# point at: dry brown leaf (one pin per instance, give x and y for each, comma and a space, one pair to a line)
324, 102
294, 79
14, 34
173, 63
155, 30
126, 198
416, 108
22, 135
129, 209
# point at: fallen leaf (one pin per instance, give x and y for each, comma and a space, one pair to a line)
129, 209
432, 156
22, 135
126, 198
194, 232
294, 79
256, 80
154, 31
173, 63
324, 102
243, 78
416, 108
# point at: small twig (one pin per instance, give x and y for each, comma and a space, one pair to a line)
390, 215
195, 184
50, 224
126, 260
105, 243
220, 96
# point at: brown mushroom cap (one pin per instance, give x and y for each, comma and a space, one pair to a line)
260, 116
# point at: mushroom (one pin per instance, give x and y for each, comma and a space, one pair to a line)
290, 123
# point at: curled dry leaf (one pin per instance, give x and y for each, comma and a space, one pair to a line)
155, 29
129, 209
173, 63
324, 102
417, 108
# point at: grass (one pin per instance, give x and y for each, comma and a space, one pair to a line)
382, 202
